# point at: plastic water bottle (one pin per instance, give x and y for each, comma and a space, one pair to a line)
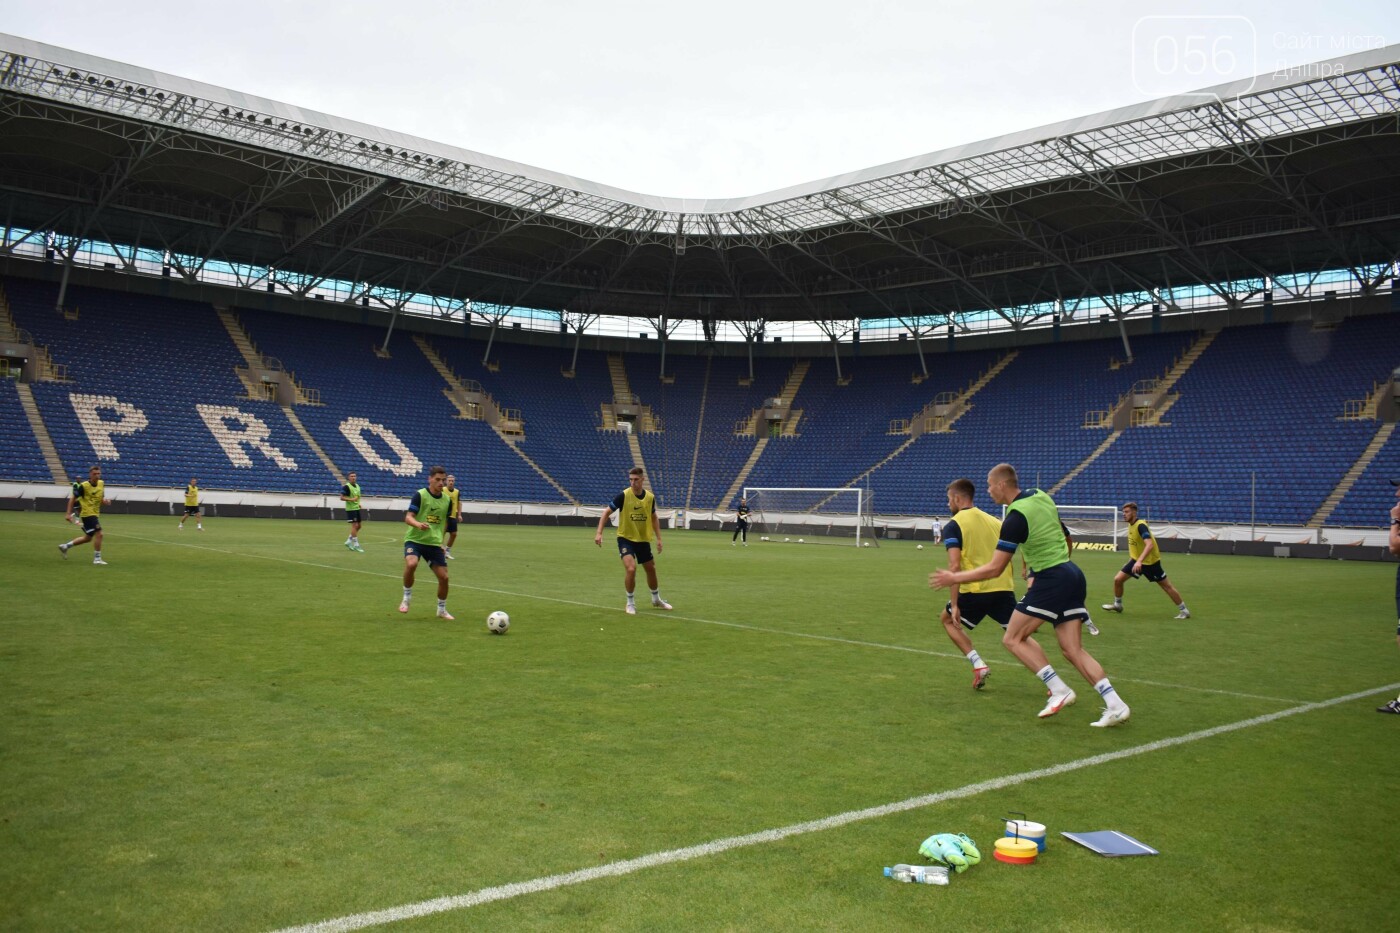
918, 874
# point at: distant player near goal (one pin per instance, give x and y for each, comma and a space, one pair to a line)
1144, 560
192, 504
741, 522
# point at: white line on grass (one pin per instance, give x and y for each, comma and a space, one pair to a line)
684, 618
628, 866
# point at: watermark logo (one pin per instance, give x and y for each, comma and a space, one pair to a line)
1181, 54
1288, 47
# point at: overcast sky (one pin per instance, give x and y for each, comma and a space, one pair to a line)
721, 98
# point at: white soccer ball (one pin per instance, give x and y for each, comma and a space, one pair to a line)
786, 539
918, 547
865, 544
498, 622
763, 538
800, 541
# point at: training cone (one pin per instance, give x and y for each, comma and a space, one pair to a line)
1015, 851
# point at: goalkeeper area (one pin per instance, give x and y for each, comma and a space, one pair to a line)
1101, 524
812, 515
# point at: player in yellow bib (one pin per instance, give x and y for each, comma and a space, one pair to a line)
970, 537
454, 511
1144, 560
637, 526
89, 497
1033, 526
192, 505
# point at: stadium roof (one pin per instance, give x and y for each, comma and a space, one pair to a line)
1284, 174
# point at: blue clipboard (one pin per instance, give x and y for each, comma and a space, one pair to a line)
1110, 842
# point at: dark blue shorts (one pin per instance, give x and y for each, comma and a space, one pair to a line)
191, 510
1153, 572
91, 524
641, 550
1057, 594
974, 607
433, 555
452, 526
352, 516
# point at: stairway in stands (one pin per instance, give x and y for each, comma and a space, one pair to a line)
743, 474
1334, 499
1097, 453
48, 372
699, 431
961, 404
1162, 392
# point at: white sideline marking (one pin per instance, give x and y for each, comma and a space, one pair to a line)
628, 866
684, 618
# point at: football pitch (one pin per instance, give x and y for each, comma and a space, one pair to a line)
235, 729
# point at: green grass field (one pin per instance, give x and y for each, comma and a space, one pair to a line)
235, 730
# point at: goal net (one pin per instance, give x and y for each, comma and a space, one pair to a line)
811, 515
1091, 525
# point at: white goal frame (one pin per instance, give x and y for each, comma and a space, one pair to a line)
774, 513
1109, 515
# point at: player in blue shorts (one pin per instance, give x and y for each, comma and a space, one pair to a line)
1394, 705
426, 519
637, 526
971, 539
1057, 596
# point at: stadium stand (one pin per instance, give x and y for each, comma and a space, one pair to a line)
1262, 402
1370, 500
386, 417
562, 415
671, 453
23, 459
1030, 415
153, 362
845, 429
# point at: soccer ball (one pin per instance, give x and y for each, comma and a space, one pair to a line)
865, 544
800, 541
918, 547
498, 622
785, 540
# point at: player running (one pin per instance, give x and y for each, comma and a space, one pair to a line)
1144, 560
1057, 595
91, 497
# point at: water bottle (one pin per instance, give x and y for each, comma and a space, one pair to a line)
918, 874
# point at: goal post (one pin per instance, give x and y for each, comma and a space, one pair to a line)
815, 515
1103, 523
